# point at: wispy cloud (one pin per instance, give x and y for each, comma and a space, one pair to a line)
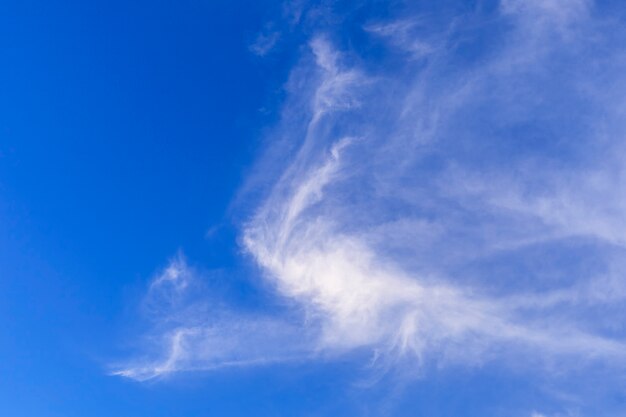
456, 208
264, 42
405, 35
192, 330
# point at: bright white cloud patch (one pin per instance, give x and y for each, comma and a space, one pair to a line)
461, 203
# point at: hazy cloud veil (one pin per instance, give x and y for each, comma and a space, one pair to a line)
454, 193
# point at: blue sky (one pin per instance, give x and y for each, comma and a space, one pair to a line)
300, 208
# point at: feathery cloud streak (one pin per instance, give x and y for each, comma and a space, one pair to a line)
456, 200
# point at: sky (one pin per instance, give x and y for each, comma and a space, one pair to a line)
313, 208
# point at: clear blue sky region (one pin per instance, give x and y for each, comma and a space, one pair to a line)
313, 208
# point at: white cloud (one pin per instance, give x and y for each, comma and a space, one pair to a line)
413, 219
192, 330
403, 35
362, 297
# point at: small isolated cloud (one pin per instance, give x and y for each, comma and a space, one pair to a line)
264, 42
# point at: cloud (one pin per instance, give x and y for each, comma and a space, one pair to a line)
456, 208
405, 35
192, 330
264, 42
361, 298
559, 12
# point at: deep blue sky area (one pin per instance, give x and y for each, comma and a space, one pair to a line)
125, 130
